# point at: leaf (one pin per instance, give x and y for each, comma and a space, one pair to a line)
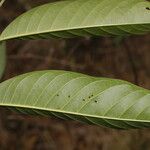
82, 18
2, 58
1, 2
101, 101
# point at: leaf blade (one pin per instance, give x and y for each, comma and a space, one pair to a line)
71, 18
100, 101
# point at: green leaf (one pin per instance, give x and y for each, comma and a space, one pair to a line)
101, 101
2, 58
82, 18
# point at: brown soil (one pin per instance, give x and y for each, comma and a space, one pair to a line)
127, 59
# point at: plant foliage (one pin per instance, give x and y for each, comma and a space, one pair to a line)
82, 18
101, 101
68, 95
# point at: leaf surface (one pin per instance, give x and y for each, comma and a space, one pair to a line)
101, 101
82, 18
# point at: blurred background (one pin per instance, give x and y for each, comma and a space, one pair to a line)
125, 58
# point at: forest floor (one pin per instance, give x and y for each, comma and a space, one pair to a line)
123, 58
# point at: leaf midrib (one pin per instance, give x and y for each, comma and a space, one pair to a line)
72, 113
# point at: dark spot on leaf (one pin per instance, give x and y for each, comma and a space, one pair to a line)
96, 101
57, 95
148, 8
68, 96
83, 99
91, 96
